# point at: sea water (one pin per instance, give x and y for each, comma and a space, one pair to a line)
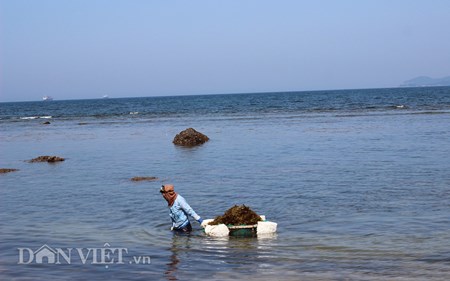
357, 180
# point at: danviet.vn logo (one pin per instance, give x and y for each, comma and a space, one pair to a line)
105, 255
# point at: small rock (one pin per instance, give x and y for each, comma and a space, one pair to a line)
190, 137
49, 159
144, 178
4, 171
46, 123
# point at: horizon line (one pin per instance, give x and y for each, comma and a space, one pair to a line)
232, 93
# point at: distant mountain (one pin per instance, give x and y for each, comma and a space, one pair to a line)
425, 81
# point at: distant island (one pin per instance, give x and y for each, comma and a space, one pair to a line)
425, 81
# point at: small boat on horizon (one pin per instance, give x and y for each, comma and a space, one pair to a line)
105, 96
47, 98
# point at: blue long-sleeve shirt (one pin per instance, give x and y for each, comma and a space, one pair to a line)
179, 212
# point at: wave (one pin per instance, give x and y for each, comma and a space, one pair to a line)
35, 117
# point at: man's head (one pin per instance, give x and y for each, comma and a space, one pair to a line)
168, 192
167, 189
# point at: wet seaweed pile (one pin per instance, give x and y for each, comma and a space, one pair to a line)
237, 215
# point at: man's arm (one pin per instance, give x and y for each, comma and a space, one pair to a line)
185, 206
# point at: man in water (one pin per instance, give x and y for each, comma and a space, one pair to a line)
179, 209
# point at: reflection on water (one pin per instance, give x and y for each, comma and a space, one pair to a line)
180, 243
188, 251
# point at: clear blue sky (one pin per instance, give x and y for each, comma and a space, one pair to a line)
88, 48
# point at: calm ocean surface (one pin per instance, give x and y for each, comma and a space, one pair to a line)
357, 180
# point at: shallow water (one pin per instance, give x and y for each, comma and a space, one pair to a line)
358, 193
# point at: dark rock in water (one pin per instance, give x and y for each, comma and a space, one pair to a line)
190, 137
49, 159
4, 171
237, 215
46, 123
144, 178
